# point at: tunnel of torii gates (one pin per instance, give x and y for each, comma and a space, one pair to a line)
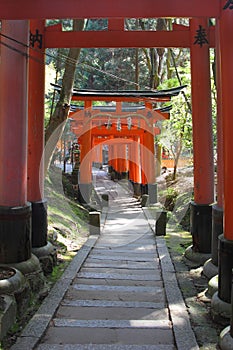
22, 111
129, 132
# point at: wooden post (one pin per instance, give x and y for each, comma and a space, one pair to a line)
148, 162
35, 177
85, 176
211, 266
15, 211
226, 75
201, 210
114, 160
123, 161
135, 156
143, 166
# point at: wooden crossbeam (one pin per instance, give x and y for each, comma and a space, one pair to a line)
44, 9
56, 38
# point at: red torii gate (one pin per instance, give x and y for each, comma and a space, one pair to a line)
13, 196
88, 123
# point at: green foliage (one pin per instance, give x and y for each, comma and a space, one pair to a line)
57, 272
64, 214
176, 132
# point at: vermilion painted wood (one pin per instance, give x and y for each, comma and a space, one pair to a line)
114, 157
115, 133
202, 118
123, 159
13, 115
85, 155
136, 159
35, 174
56, 38
44, 9
110, 156
220, 170
96, 151
116, 24
226, 54
113, 39
149, 151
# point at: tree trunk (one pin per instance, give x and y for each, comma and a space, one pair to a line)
57, 121
176, 160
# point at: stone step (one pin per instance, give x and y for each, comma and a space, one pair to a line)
110, 313
104, 347
125, 250
124, 272
78, 332
125, 324
137, 249
117, 282
118, 241
121, 276
136, 258
132, 265
115, 303
100, 288
155, 296
150, 244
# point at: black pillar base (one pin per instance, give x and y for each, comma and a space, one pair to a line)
84, 193
160, 223
137, 189
113, 175
39, 224
125, 175
201, 227
110, 169
225, 269
153, 193
217, 230
105, 200
15, 234
94, 222
144, 189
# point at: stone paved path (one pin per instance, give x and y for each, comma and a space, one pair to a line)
124, 296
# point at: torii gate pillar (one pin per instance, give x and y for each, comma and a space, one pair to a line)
148, 163
135, 166
123, 162
15, 211
224, 293
210, 268
35, 188
85, 175
201, 207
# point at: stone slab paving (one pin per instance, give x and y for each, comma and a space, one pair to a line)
123, 295
115, 282
105, 347
106, 312
122, 264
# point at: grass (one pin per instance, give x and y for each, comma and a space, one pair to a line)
67, 219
